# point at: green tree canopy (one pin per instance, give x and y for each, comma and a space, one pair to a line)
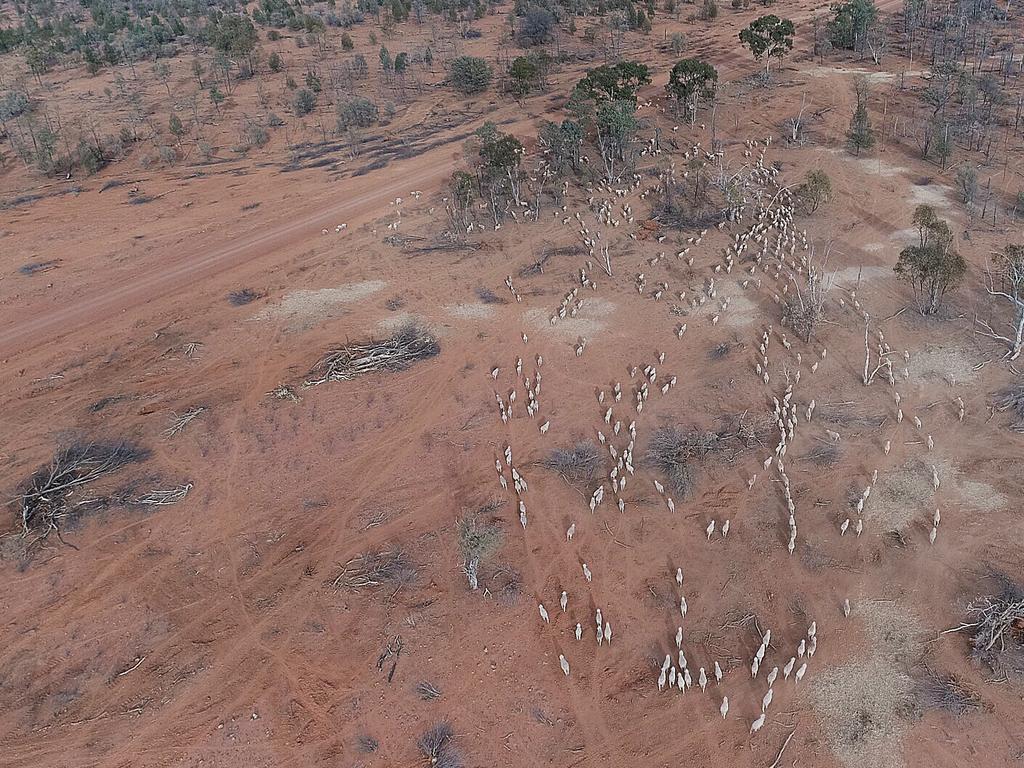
614, 82
469, 74
691, 81
932, 267
768, 36
850, 23
234, 35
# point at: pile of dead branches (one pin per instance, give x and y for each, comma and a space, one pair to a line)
405, 347
46, 497
676, 452
375, 569
998, 637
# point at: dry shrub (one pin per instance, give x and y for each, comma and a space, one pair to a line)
242, 297
396, 353
946, 694
576, 464
675, 452
375, 569
367, 744
1012, 400
506, 583
721, 351
750, 430
823, 454
479, 539
427, 690
437, 748
487, 296
45, 496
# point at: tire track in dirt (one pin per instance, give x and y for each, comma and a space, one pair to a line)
244, 643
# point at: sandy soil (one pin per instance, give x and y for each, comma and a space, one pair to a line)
212, 632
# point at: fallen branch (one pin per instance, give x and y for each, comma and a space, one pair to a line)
178, 423
784, 745
164, 497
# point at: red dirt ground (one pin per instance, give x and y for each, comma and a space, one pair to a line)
208, 633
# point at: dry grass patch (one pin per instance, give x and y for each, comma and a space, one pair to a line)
903, 495
862, 707
320, 302
866, 705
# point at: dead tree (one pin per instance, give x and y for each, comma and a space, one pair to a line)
1006, 283
806, 306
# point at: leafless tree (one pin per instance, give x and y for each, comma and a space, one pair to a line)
805, 306
796, 124
1006, 284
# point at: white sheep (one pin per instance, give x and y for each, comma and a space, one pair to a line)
788, 669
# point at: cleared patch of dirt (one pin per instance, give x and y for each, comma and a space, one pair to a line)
741, 312
931, 194
299, 307
943, 362
901, 496
470, 311
852, 275
587, 322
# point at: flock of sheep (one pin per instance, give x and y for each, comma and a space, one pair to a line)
773, 248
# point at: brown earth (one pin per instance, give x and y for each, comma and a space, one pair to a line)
210, 632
